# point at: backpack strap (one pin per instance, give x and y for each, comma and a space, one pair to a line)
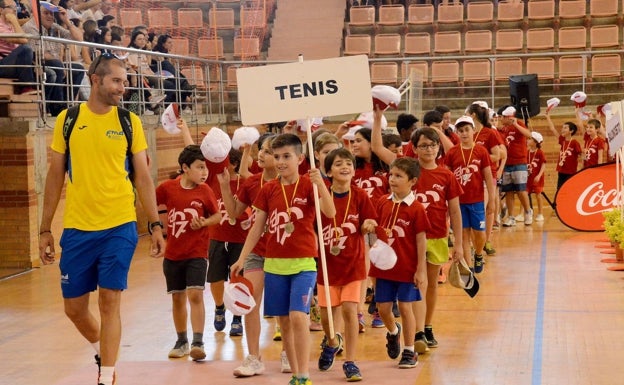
68, 125
126, 126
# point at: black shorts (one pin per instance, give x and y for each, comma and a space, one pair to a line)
185, 274
222, 255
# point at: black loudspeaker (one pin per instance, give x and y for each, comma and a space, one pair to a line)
524, 95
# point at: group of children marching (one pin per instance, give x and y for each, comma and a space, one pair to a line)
256, 217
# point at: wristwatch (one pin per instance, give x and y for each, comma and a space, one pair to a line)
151, 225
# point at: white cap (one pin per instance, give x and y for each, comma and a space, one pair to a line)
316, 123
216, 145
464, 119
537, 136
367, 120
169, 119
481, 103
382, 255
509, 111
238, 296
386, 96
579, 97
243, 136
350, 135
552, 102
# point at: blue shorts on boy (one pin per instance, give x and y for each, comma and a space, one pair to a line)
388, 291
96, 258
286, 293
473, 215
185, 274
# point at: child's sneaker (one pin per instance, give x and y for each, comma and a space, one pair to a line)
284, 364
250, 367
539, 218
478, 264
431, 341
377, 322
304, 381
278, 334
197, 352
236, 329
528, 217
489, 250
219, 320
421, 344
409, 359
180, 350
509, 222
351, 371
519, 218
293, 381
393, 346
361, 323
326, 360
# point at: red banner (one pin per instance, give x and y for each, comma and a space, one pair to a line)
583, 198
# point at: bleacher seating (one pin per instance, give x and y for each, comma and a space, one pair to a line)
387, 44
510, 14
420, 17
480, 14
391, 18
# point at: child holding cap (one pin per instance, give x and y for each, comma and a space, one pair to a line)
569, 152
470, 163
537, 168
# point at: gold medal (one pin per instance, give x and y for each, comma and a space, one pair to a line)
232, 221
289, 227
334, 250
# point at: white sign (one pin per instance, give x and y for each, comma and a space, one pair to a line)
615, 136
291, 91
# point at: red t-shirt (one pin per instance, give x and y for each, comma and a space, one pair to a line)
568, 156
301, 243
468, 170
489, 138
183, 205
591, 148
247, 194
516, 145
536, 160
225, 231
411, 219
374, 183
434, 189
350, 264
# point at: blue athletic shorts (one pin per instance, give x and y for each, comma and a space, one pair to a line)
286, 293
388, 291
473, 215
96, 258
515, 178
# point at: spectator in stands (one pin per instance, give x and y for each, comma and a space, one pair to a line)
16, 56
79, 9
53, 59
107, 21
164, 43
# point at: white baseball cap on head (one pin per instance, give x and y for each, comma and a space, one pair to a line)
386, 96
537, 136
509, 111
244, 136
238, 296
169, 119
464, 119
216, 145
481, 103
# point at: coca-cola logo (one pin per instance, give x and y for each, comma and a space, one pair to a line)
583, 198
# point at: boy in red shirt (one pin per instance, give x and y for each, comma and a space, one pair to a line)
286, 207
405, 222
191, 206
470, 163
567, 163
537, 168
594, 146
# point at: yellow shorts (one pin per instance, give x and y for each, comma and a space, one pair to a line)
437, 251
339, 294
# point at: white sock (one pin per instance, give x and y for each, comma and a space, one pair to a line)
395, 331
410, 348
96, 347
106, 375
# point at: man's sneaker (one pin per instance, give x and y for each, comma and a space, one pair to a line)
250, 367
377, 322
421, 344
519, 218
528, 217
393, 347
395, 309
539, 218
361, 323
509, 222
236, 329
277, 336
326, 360
219, 320
197, 352
409, 359
478, 264
351, 371
180, 350
284, 364
489, 250
431, 341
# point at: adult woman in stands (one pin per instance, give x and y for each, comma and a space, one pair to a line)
159, 64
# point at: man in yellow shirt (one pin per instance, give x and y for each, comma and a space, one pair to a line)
100, 234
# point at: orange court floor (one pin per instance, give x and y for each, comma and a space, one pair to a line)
548, 312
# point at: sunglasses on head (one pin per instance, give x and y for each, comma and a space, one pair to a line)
104, 56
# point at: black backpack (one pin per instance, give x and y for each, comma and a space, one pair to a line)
126, 124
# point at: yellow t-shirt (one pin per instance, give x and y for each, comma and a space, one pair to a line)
99, 194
